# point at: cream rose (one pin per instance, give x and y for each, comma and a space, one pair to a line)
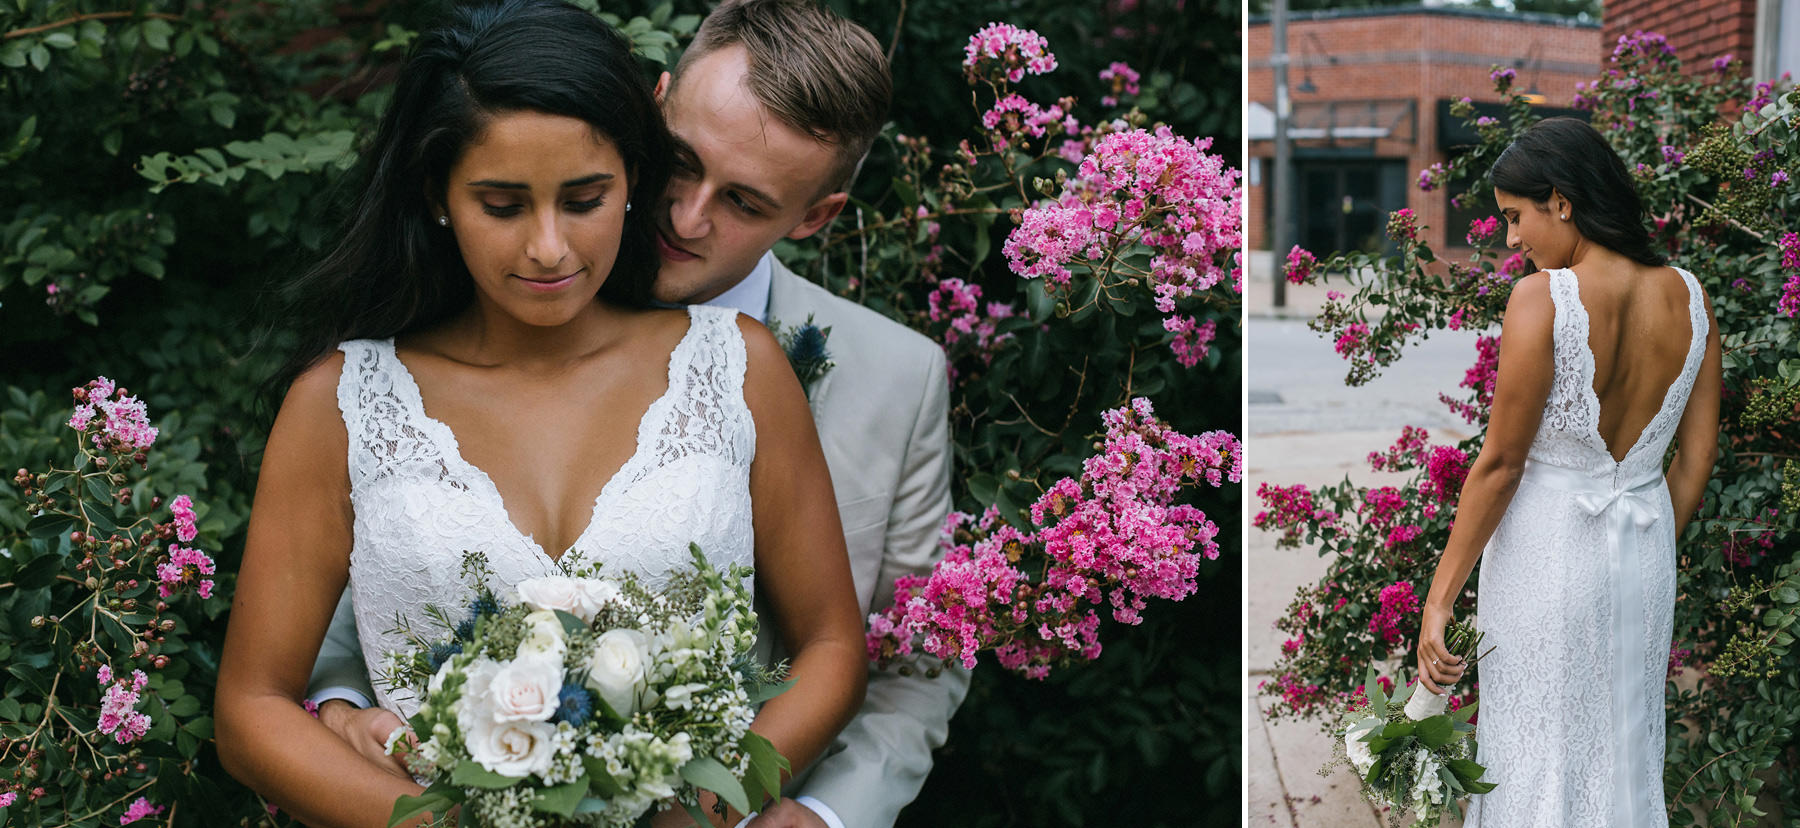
512, 748
526, 689
558, 592
617, 669
1359, 753
544, 635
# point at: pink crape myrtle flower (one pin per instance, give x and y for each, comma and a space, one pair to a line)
1124, 82
1008, 50
1483, 230
958, 303
1300, 264
1156, 189
118, 706
123, 420
138, 810
184, 566
8, 798
1191, 338
1108, 539
1403, 225
182, 508
1789, 304
1397, 601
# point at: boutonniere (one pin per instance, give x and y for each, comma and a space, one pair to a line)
804, 345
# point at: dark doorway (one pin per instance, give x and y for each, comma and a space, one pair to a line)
1344, 204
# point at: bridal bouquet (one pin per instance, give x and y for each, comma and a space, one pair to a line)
585, 700
1410, 752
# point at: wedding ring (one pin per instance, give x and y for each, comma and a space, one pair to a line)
1434, 661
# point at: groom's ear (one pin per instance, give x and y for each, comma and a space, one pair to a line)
662, 87
819, 214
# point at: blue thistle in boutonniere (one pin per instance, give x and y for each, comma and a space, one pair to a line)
806, 352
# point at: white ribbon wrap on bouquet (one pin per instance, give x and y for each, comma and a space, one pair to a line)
1424, 704
1627, 507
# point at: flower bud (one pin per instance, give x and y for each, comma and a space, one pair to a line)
100, 462
167, 624
38, 621
93, 582
160, 662
77, 537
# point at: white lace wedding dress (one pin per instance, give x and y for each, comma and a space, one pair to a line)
1576, 596
419, 504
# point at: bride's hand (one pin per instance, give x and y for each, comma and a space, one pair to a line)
1437, 667
366, 730
676, 816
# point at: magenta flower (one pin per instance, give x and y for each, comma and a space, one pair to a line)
1124, 82
184, 566
1779, 178
182, 507
1300, 264
1009, 51
8, 798
1403, 225
1191, 338
118, 707
1430, 177
138, 810
1789, 304
1397, 601
1722, 62
124, 423
1502, 78
1483, 230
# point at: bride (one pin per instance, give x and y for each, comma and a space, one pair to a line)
478, 370
1605, 356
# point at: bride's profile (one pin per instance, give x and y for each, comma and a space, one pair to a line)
478, 368
1607, 355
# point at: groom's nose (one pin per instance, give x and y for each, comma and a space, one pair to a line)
687, 209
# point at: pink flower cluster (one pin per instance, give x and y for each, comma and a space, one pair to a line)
1641, 45
1406, 453
1446, 467
1403, 225
1354, 336
1124, 82
184, 566
1005, 49
138, 810
182, 508
1138, 187
1289, 509
122, 425
1397, 602
8, 798
1789, 304
1115, 536
1482, 231
959, 304
1013, 115
1479, 378
1300, 264
1502, 78
1431, 176
1678, 658
118, 710
1296, 695
1191, 338
1381, 506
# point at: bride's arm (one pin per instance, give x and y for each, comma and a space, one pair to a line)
296, 561
1697, 435
1526, 366
801, 566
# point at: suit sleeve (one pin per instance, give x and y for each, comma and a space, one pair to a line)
880, 760
339, 666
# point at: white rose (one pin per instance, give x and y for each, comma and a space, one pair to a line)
1359, 753
558, 592
475, 704
616, 669
597, 593
526, 689
544, 635
511, 748
1424, 704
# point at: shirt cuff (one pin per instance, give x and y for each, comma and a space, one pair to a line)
341, 693
823, 810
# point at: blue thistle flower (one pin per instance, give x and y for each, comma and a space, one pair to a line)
442, 651
808, 345
574, 706
484, 605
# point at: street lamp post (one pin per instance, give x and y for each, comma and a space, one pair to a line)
1280, 230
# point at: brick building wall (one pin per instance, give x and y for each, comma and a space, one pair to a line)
1412, 53
1700, 29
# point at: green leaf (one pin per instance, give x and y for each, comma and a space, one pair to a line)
571, 623
157, 33
112, 141
60, 39
1465, 769
1398, 730
40, 57
471, 775
768, 690
50, 525
766, 765
599, 780
709, 773
1435, 732
436, 799
223, 115
561, 799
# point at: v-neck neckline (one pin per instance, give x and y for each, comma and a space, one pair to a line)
1591, 366
453, 448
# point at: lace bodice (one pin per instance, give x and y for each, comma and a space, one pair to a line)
1569, 434
419, 505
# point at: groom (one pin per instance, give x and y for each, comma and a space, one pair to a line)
773, 106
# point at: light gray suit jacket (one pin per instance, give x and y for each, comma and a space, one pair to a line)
883, 420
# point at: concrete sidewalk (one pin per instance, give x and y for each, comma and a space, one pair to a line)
1305, 426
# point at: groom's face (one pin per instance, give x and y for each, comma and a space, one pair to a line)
743, 180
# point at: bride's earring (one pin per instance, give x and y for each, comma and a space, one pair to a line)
627, 206
444, 221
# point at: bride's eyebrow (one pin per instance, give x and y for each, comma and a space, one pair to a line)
519, 185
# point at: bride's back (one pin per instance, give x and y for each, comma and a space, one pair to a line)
1639, 333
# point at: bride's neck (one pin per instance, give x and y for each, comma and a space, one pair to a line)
487, 336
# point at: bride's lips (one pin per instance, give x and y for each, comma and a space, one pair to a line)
543, 285
670, 252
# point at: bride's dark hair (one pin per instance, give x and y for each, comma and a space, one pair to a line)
1568, 156
393, 269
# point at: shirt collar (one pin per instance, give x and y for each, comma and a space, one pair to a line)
750, 296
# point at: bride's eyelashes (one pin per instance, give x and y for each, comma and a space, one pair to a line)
510, 210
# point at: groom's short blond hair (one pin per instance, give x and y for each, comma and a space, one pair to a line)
813, 70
